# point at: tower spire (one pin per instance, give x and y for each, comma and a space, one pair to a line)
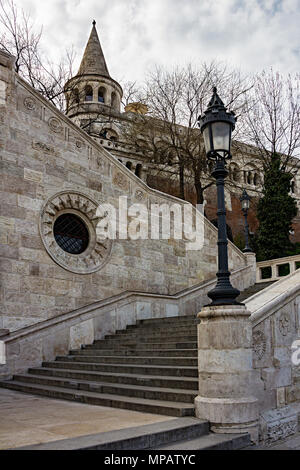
93, 61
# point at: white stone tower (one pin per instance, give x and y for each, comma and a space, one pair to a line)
92, 93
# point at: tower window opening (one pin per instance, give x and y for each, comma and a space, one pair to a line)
88, 93
101, 95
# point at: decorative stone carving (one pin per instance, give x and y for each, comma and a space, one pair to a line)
55, 125
284, 323
79, 144
259, 344
97, 251
139, 195
29, 103
120, 180
43, 147
277, 424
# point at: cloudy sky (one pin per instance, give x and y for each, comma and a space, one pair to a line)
136, 34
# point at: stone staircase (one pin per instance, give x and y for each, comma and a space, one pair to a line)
149, 367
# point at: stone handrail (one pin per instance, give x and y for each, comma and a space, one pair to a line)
44, 340
266, 302
274, 264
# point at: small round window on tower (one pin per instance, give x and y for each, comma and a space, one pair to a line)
71, 233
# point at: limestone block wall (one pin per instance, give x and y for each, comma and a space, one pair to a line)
276, 355
48, 166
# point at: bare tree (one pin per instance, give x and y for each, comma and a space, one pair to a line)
272, 119
20, 38
169, 133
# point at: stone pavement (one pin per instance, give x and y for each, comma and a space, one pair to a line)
28, 419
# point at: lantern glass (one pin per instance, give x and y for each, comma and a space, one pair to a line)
245, 204
206, 137
221, 136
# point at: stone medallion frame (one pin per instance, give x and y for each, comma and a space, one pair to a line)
97, 253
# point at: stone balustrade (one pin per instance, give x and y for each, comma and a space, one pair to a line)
275, 269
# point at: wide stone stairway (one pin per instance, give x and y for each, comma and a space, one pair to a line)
149, 367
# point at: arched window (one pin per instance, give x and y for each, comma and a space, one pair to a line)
103, 133
138, 170
101, 94
255, 179
88, 93
235, 174
129, 165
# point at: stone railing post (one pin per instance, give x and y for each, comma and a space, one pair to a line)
251, 261
226, 375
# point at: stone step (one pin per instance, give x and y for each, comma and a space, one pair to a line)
167, 408
69, 363
136, 352
183, 335
165, 323
151, 393
188, 383
168, 320
156, 331
137, 438
211, 441
105, 344
139, 360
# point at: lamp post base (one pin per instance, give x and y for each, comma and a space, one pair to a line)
224, 293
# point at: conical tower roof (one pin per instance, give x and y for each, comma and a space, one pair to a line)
93, 61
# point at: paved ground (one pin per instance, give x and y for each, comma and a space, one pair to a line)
28, 419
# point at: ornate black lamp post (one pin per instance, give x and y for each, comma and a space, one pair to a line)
216, 125
245, 200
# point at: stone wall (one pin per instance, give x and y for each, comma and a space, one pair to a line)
276, 327
49, 166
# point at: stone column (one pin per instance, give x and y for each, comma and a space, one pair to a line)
226, 376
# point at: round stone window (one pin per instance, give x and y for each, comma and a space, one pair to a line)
71, 234
68, 223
